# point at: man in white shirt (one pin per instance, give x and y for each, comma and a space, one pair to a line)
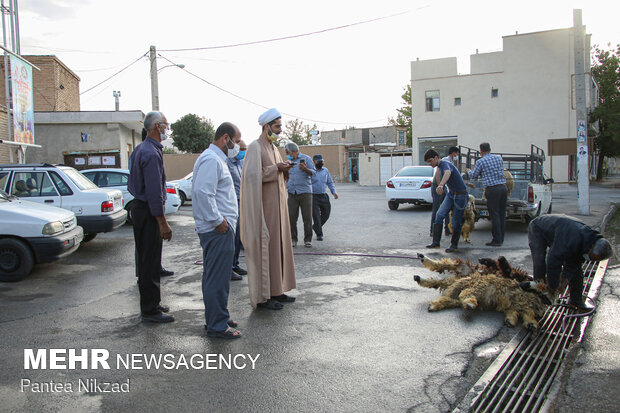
215, 213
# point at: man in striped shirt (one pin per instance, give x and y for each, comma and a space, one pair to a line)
491, 168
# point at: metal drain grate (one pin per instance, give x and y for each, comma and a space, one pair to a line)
520, 378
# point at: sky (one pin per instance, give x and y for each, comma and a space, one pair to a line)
353, 75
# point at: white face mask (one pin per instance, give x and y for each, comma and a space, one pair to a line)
234, 151
165, 135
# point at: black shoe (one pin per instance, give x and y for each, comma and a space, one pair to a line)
493, 244
165, 273
235, 277
284, 298
580, 305
270, 304
157, 318
454, 242
319, 237
163, 308
240, 271
437, 228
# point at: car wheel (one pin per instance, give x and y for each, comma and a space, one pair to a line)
393, 205
89, 237
16, 260
183, 197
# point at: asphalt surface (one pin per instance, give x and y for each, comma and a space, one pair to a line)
358, 338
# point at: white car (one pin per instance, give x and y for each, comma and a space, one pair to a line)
97, 210
411, 185
185, 187
32, 233
119, 178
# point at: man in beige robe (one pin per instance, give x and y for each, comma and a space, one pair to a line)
265, 228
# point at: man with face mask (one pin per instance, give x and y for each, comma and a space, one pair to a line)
299, 187
559, 245
147, 183
265, 230
216, 212
234, 159
321, 207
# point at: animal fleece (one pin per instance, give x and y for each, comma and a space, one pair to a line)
510, 184
469, 219
489, 286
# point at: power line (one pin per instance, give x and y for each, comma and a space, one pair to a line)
115, 74
261, 105
287, 37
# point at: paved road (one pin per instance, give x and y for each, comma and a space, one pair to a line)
359, 337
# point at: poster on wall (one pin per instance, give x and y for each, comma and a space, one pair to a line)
108, 160
94, 160
79, 161
23, 107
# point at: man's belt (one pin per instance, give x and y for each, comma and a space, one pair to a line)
494, 186
459, 192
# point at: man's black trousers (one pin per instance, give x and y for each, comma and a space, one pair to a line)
321, 209
148, 256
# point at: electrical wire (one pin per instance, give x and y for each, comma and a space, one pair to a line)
287, 37
115, 74
261, 105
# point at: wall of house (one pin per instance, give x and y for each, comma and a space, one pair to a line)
57, 139
382, 134
179, 165
5, 149
335, 158
532, 76
370, 169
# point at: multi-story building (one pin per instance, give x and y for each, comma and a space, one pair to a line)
513, 98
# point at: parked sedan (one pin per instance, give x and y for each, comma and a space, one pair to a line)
185, 187
411, 185
119, 178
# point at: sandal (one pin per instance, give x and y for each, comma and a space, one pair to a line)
230, 323
230, 333
270, 304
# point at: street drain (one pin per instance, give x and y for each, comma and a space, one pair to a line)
520, 378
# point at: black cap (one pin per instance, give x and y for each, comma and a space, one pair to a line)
317, 157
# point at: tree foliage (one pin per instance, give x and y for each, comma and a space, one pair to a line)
298, 132
193, 133
403, 118
605, 118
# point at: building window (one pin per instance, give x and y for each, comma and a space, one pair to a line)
494, 92
432, 101
401, 137
457, 101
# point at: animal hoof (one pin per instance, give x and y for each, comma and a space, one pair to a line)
421, 256
431, 307
532, 326
470, 306
416, 278
509, 323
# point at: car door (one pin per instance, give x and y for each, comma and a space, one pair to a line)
35, 186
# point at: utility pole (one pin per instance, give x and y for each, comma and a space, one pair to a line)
116, 94
583, 172
154, 84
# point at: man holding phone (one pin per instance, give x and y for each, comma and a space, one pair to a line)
299, 187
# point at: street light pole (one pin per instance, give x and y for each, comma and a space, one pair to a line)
154, 84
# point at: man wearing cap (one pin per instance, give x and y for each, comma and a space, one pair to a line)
265, 229
559, 245
320, 200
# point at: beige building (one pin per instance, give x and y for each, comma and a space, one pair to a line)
86, 139
386, 136
519, 96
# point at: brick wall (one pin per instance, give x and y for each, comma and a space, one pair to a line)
4, 133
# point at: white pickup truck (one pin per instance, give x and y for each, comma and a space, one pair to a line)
531, 193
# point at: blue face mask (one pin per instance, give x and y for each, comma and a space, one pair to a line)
290, 158
241, 155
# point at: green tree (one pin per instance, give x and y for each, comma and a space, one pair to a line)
605, 118
404, 115
298, 132
193, 133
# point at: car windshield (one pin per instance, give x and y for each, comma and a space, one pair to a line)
416, 171
78, 179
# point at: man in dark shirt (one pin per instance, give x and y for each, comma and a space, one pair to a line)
559, 244
457, 198
147, 183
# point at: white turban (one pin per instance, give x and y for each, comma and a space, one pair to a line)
268, 116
